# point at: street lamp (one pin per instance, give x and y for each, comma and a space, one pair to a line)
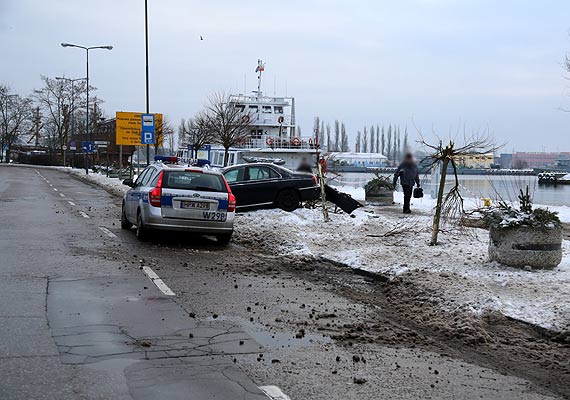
87, 78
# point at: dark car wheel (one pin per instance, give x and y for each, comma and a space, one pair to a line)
288, 200
142, 232
125, 224
224, 238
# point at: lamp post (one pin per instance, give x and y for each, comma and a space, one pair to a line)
87, 79
146, 54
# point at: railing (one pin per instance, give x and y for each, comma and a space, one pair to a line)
275, 142
261, 118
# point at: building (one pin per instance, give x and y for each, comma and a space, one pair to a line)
522, 160
505, 160
484, 161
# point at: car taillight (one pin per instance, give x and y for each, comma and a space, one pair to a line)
315, 179
231, 202
155, 195
231, 197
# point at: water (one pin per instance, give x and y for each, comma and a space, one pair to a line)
477, 186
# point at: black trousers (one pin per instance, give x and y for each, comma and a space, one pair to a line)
408, 190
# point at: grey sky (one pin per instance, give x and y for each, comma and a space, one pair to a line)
440, 63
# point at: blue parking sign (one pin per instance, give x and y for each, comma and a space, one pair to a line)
147, 129
88, 146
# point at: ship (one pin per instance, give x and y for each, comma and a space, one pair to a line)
273, 135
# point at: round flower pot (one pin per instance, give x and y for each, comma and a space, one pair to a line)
380, 196
522, 246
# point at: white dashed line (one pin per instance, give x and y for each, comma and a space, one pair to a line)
50, 185
158, 282
274, 393
62, 195
71, 203
84, 215
55, 189
107, 232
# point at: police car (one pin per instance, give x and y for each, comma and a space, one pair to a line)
188, 198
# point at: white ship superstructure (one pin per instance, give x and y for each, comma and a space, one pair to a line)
273, 133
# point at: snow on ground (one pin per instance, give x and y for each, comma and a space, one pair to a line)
457, 271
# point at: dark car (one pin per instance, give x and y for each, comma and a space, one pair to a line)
265, 184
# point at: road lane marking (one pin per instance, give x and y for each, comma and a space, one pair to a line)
84, 215
50, 185
107, 232
274, 393
71, 203
55, 189
157, 281
62, 195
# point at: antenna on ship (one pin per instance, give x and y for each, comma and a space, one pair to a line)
260, 68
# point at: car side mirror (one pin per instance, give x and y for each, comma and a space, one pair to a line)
129, 182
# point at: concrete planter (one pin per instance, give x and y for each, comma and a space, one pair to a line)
380, 196
523, 246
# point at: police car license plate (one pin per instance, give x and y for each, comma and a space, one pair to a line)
195, 205
214, 216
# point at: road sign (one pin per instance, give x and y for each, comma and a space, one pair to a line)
129, 127
147, 129
64, 147
88, 147
72, 146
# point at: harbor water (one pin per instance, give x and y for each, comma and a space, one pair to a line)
502, 187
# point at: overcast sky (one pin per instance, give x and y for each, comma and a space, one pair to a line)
440, 64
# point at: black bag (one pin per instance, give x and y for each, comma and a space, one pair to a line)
418, 193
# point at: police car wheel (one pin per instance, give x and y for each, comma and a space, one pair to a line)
125, 224
142, 232
224, 239
288, 200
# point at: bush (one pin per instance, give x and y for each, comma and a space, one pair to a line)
379, 182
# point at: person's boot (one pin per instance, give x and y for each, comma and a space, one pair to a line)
407, 211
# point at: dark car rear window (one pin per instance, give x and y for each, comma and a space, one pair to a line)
190, 180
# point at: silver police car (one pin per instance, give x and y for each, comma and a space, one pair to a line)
179, 198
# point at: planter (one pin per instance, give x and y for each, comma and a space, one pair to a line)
380, 196
521, 246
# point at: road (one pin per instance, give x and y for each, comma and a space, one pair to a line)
82, 318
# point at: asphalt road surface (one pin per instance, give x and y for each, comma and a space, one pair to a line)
88, 312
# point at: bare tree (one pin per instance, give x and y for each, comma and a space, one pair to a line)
164, 133
365, 141
229, 124
372, 137
58, 100
196, 132
449, 206
329, 144
389, 144
378, 138
343, 139
336, 135
399, 145
15, 116
322, 138
357, 143
383, 142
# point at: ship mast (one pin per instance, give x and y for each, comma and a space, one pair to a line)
260, 68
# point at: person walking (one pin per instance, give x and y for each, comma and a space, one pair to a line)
408, 174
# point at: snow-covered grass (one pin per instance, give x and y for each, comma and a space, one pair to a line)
470, 280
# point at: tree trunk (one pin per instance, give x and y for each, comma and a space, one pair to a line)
437, 215
226, 155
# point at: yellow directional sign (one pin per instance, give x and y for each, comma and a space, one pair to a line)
128, 127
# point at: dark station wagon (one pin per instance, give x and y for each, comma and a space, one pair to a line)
269, 185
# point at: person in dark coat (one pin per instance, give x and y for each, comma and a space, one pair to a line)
408, 173
304, 166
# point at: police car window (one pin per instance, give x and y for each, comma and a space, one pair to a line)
258, 173
190, 180
153, 179
232, 176
147, 178
141, 177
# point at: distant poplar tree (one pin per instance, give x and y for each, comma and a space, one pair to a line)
383, 142
399, 145
322, 142
329, 143
395, 145
336, 135
372, 134
343, 139
357, 142
377, 139
406, 146
389, 143
365, 141
316, 129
